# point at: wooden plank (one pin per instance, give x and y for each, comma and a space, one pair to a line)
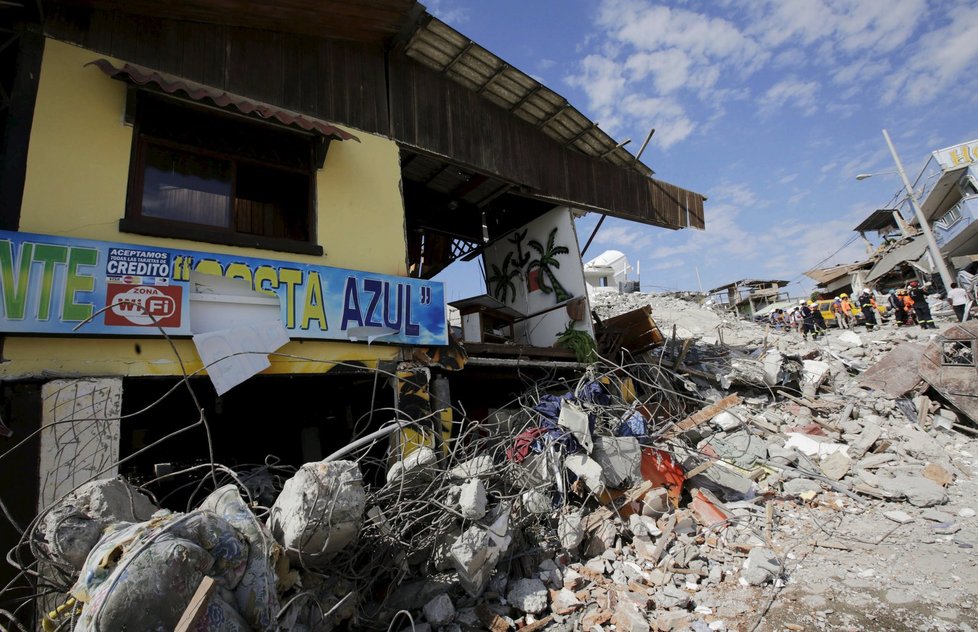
197, 606
702, 416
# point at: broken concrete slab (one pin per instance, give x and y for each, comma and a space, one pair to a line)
898, 516
576, 420
835, 466
896, 372
919, 491
761, 566
620, 459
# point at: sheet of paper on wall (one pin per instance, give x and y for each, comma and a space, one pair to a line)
236, 354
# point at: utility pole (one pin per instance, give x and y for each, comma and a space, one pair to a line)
935, 250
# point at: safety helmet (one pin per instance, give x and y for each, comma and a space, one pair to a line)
837, 298
892, 291
843, 295
801, 302
866, 290
914, 284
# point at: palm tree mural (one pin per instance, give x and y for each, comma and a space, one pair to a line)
546, 263
502, 279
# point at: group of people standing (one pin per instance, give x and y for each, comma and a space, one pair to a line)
908, 306
845, 310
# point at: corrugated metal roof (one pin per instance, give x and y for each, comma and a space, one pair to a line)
823, 276
878, 219
439, 46
199, 92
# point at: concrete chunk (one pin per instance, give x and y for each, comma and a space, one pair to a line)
588, 470
439, 611
472, 500
319, 511
528, 595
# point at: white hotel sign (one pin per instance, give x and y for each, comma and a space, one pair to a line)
958, 155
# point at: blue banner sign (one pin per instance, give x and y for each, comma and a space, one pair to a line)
51, 284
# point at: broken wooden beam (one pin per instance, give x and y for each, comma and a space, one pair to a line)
702, 416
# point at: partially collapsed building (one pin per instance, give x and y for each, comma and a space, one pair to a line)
261, 194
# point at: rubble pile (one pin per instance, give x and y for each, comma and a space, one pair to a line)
683, 488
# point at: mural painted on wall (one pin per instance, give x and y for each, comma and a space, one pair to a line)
545, 264
535, 269
537, 273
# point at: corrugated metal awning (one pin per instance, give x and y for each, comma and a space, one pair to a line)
171, 84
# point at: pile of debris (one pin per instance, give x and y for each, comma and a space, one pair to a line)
664, 491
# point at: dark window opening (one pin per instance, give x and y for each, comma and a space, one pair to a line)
201, 175
958, 353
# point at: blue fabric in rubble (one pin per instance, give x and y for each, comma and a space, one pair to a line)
549, 409
632, 426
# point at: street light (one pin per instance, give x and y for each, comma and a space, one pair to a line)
863, 176
932, 247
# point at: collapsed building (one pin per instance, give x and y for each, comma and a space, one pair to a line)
947, 193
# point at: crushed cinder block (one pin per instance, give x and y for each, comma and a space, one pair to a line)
528, 595
472, 499
319, 511
813, 374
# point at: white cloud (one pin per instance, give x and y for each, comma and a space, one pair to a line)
448, 12
601, 79
938, 60
790, 92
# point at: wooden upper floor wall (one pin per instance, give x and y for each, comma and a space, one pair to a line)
376, 88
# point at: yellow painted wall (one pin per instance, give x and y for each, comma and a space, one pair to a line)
77, 174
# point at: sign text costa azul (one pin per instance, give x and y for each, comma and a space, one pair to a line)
50, 284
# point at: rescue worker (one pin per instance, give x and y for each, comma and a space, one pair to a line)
920, 307
840, 318
896, 304
910, 317
807, 320
847, 311
819, 319
867, 304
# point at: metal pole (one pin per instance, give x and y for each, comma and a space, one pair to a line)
935, 250
593, 233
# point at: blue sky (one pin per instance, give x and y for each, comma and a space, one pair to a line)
768, 107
